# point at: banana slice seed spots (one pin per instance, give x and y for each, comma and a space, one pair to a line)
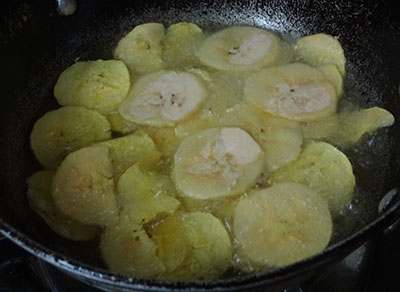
251, 50
298, 98
170, 97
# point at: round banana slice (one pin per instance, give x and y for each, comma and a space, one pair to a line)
240, 48
324, 168
145, 195
173, 246
210, 252
295, 91
127, 249
181, 44
40, 200
321, 49
281, 139
98, 85
141, 49
119, 124
163, 98
64, 130
333, 75
280, 225
128, 150
217, 162
83, 187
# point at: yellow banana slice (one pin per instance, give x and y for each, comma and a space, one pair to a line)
281, 139
141, 49
163, 98
333, 75
40, 200
217, 162
145, 195
240, 48
127, 249
356, 124
83, 187
295, 91
173, 246
130, 149
320, 49
210, 252
64, 130
98, 85
280, 225
324, 168
347, 128
119, 124
181, 44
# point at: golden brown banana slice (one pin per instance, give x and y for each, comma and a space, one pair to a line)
40, 200
324, 168
180, 45
240, 48
127, 249
145, 195
280, 225
163, 98
217, 162
295, 91
210, 252
128, 150
64, 130
99, 85
321, 49
83, 187
141, 48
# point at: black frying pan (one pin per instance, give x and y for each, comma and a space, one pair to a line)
37, 44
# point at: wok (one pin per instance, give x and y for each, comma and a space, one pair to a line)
37, 44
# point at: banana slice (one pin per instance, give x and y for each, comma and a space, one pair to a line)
163, 98
40, 200
210, 252
83, 187
324, 168
128, 150
64, 130
281, 139
127, 249
145, 195
295, 91
181, 44
173, 246
166, 140
321, 49
347, 128
240, 48
217, 162
356, 124
98, 85
119, 124
141, 49
333, 75
280, 225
